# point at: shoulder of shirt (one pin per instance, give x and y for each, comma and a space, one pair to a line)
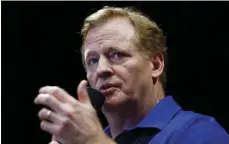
201, 130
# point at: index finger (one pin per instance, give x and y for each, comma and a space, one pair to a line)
49, 101
59, 93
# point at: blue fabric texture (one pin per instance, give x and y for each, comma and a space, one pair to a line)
176, 126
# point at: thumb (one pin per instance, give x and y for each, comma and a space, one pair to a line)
82, 93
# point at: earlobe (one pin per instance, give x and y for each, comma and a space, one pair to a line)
158, 65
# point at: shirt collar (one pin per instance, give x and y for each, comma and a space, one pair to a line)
158, 117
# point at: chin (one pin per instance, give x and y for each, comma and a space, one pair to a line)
115, 100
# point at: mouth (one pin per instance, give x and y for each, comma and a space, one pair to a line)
107, 89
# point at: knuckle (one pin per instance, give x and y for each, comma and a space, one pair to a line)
47, 98
55, 90
42, 89
59, 131
41, 113
65, 123
70, 113
42, 125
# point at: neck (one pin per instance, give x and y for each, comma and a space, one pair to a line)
133, 112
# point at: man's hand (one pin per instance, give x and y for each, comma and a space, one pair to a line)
69, 120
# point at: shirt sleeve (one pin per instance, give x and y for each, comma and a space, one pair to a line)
204, 130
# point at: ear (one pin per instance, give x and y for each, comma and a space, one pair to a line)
157, 61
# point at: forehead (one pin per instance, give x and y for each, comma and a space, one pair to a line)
114, 31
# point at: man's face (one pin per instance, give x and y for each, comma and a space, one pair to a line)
114, 64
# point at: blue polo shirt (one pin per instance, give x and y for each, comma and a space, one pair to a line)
167, 123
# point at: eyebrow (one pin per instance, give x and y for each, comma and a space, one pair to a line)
107, 50
88, 53
114, 48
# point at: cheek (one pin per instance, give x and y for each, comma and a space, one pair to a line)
128, 73
91, 79
135, 73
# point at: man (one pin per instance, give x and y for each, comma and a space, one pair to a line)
124, 56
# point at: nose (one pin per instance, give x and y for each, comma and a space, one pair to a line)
104, 69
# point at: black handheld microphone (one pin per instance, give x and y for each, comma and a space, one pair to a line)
96, 97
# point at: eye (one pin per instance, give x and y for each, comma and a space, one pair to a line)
117, 55
92, 60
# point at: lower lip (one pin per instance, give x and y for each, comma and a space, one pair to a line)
108, 91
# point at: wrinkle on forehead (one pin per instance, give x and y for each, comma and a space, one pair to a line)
105, 36
114, 29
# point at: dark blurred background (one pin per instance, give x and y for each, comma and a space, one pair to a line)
40, 43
